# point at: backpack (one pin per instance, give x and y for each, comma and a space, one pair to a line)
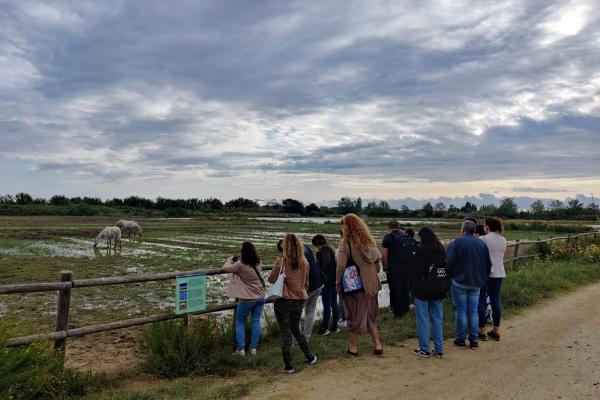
406, 247
437, 281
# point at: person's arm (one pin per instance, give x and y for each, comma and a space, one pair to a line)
231, 266
306, 278
488, 261
275, 271
385, 252
342, 258
451, 258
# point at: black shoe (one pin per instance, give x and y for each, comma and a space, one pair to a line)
494, 335
289, 370
474, 344
421, 353
351, 353
437, 355
481, 336
313, 360
460, 344
323, 332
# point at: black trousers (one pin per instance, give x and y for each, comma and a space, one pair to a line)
399, 292
288, 312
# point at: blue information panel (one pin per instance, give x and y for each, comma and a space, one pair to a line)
190, 293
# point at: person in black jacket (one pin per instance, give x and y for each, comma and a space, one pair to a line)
327, 265
429, 283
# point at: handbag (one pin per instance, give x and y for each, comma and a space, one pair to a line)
276, 289
351, 282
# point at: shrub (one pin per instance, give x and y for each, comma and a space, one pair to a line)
36, 372
171, 350
591, 253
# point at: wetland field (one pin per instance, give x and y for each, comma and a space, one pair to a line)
36, 249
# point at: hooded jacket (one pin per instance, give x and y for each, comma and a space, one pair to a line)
366, 261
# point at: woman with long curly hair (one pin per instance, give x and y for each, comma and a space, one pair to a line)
288, 308
361, 308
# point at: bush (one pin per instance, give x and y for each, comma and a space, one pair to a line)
36, 372
591, 253
171, 350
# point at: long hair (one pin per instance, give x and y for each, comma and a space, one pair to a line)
250, 254
495, 224
293, 251
431, 242
357, 232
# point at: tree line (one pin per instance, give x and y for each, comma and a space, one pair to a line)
553, 209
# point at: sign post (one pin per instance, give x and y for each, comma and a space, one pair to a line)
190, 292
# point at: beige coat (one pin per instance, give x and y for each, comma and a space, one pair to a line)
244, 284
367, 262
295, 285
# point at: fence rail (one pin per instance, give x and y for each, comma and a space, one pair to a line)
67, 283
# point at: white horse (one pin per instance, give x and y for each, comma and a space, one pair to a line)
110, 233
130, 227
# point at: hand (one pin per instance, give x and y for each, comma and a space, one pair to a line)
230, 259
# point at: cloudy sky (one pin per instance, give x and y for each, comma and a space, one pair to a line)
313, 100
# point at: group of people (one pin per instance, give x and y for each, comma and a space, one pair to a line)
471, 269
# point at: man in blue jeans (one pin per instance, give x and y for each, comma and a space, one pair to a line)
469, 265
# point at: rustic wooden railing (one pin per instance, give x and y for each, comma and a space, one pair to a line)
66, 284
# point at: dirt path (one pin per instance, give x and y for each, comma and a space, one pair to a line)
550, 352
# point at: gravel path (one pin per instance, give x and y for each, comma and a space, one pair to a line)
551, 351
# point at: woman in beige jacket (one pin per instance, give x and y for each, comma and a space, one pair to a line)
248, 286
361, 309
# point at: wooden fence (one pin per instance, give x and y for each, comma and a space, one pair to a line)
66, 284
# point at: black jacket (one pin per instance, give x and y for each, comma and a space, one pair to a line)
327, 264
420, 286
314, 274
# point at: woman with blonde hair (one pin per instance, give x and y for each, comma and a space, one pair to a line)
288, 308
358, 251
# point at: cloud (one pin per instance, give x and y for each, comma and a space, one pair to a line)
352, 93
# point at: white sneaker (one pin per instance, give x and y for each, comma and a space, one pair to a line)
240, 353
252, 352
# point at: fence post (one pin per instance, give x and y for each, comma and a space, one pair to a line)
62, 310
575, 242
568, 239
516, 253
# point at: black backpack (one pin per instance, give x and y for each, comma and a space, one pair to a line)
436, 281
406, 247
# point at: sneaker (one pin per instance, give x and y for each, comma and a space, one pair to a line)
421, 353
481, 336
437, 355
474, 344
342, 323
460, 344
323, 332
494, 335
240, 353
411, 307
288, 370
336, 330
252, 352
313, 360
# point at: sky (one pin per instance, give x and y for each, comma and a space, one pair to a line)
306, 99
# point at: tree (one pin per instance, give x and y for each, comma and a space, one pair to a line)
508, 208
488, 209
312, 208
293, 206
7, 199
537, 208
358, 205
345, 205
469, 208
59, 200
428, 210
23, 198
242, 203
557, 207
575, 208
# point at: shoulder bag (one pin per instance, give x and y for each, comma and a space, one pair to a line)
276, 289
351, 282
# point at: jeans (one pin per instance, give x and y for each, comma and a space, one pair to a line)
287, 312
399, 292
426, 310
330, 306
243, 309
491, 289
465, 305
310, 307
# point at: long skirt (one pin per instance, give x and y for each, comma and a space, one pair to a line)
361, 311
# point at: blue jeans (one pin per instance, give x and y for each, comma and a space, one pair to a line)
330, 306
491, 289
425, 310
465, 305
243, 309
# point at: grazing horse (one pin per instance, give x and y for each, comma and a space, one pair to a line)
110, 233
